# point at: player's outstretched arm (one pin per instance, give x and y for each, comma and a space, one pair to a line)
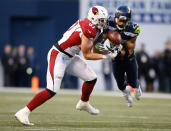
131, 45
86, 47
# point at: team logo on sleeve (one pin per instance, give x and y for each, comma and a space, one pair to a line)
137, 31
95, 11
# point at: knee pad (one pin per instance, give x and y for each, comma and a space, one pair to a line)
92, 81
51, 92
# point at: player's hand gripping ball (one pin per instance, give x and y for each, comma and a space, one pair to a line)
114, 37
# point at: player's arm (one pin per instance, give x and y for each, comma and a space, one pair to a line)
131, 45
132, 42
86, 47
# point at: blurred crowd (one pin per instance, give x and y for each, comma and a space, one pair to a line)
156, 68
18, 65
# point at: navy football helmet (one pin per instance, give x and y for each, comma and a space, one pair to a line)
123, 13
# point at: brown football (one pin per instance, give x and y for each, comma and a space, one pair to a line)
114, 37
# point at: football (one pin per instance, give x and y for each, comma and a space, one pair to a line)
114, 37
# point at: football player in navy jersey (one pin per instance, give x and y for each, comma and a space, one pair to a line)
124, 65
125, 62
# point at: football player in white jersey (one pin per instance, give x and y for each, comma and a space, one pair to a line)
62, 57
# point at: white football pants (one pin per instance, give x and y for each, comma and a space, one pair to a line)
58, 63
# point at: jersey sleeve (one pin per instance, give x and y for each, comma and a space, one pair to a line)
132, 31
88, 29
136, 29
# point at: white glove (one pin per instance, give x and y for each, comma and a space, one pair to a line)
115, 51
111, 55
116, 47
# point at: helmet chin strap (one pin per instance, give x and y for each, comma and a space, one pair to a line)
119, 28
99, 27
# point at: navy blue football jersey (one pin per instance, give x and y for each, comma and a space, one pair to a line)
130, 31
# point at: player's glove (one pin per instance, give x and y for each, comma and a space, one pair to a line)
119, 47
111, 55
116, 48
114, 51
100, 47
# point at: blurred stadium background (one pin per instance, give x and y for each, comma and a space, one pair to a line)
38, 24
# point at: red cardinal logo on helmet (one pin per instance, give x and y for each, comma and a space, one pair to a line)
95, 11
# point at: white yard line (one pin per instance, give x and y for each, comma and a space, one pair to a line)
97, 93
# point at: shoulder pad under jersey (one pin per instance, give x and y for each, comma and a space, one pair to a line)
132, 30
88, 29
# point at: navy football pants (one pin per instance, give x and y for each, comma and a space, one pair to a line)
126, 72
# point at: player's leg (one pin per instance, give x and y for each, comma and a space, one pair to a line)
79, 68
38, 99
119, 74
132, 76
55, 71
23, 114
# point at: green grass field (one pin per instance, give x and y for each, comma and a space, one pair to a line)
59, 114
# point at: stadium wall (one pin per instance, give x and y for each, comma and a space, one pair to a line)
37, 23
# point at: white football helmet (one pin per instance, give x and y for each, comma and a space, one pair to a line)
98, 15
